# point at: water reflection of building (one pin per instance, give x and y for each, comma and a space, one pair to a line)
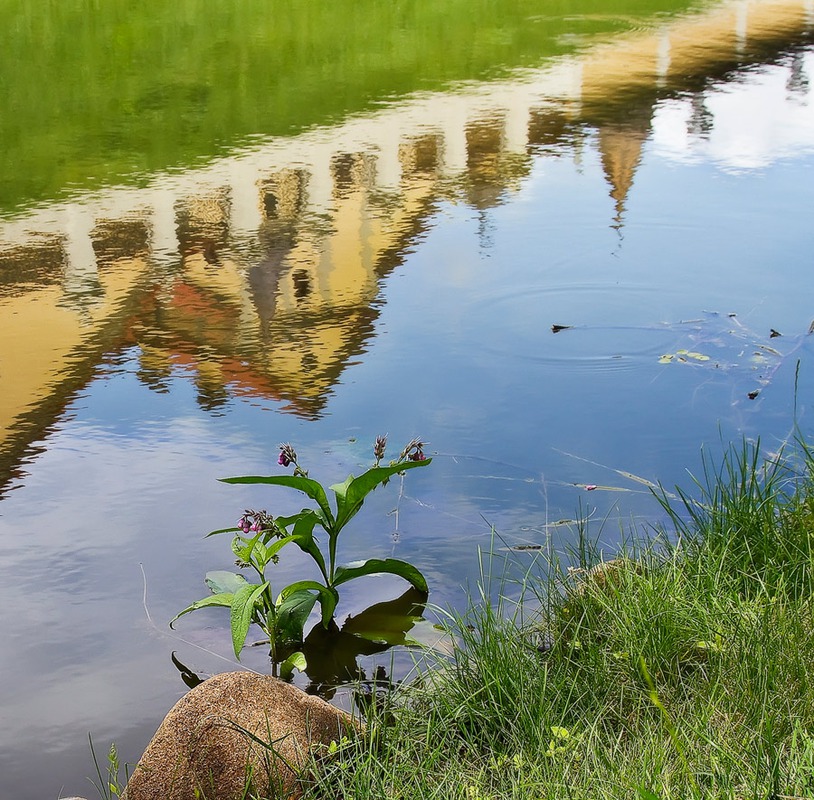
260, 273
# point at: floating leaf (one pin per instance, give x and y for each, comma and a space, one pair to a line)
638, 479
666, 358
592, 487
698, 356
558, 328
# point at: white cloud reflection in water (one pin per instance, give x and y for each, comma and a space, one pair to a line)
462, 354
765, 116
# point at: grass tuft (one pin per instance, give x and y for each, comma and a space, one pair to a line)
680, 668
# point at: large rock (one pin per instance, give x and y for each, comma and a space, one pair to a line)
229, 726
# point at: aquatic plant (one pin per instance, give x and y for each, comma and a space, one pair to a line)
260, 536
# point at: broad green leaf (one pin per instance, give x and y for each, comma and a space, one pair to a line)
286, 522
304, 538
307, 486
340, 490
374, 566
220, 580
224, 599
351, 493
292, 614
328, 597
294, 661
221, 530
242, 612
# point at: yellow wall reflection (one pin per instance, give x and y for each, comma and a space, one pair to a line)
260, 272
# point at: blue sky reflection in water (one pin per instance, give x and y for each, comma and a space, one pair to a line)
669, 250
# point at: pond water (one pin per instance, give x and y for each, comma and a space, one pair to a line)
569, 254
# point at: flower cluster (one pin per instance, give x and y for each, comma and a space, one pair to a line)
413, 451
288, 455
256, 521
378, 449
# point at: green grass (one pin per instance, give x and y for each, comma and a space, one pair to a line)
684, 669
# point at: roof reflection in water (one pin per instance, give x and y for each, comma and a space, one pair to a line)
260, 273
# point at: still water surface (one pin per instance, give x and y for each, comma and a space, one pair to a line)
646, 192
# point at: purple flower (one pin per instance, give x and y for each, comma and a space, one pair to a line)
287, 455
414, 451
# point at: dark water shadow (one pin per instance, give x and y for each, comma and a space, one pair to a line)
332, 654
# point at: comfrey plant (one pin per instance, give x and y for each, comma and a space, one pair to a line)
259, 538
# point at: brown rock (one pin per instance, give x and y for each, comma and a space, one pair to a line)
230, 726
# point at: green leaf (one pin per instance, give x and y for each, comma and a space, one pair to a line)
220, 581
352, 492
307, 486
304, 538
374, 566
277, 546
646, 794
292, 614
284, 523
242, 612
294, 661
251, 551
221, 530
224, 599
328, 597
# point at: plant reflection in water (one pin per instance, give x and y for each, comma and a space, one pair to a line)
332, 654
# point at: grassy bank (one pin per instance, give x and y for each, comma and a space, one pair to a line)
682, 668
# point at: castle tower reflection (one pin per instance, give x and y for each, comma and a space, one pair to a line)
261, 272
